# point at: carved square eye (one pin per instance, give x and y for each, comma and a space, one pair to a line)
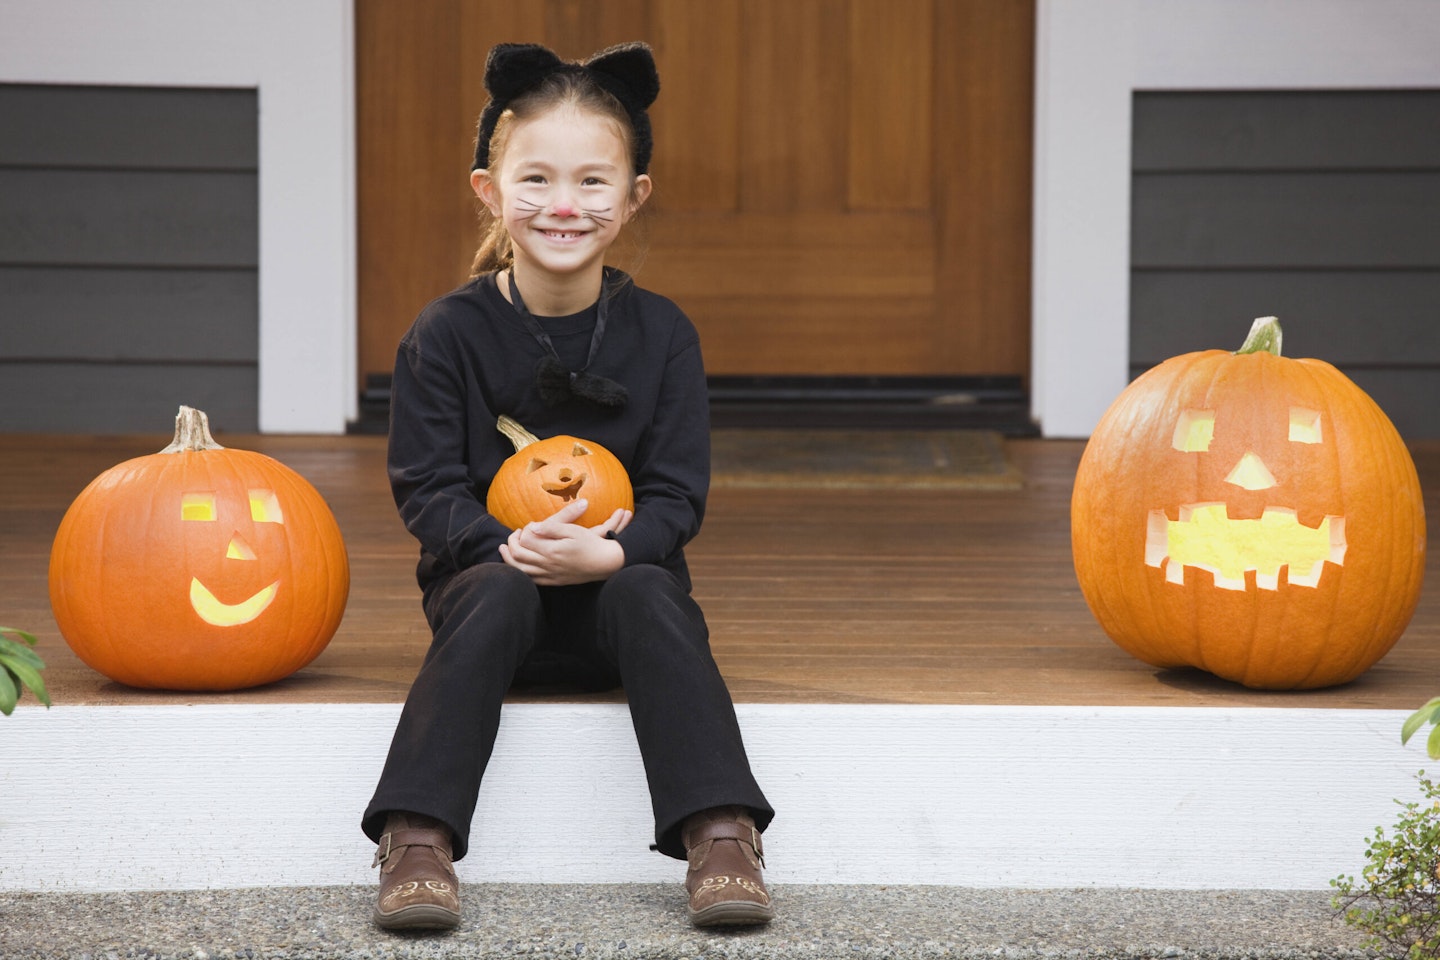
197, 506
1304, 425
264, 507
1194, 431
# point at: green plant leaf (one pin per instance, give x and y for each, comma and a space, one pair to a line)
1426, 714
30, 677
8, 693
20, 668
26, 637
18, 651
1432, 745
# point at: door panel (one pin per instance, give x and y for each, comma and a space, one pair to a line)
842, 186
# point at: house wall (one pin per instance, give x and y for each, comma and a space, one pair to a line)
129, 225
1319, 207
298, 56
1091, 57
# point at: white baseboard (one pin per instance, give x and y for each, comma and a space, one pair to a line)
189, 797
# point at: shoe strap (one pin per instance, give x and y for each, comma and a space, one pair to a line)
727, 830
397, 840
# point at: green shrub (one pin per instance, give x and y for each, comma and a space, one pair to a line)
1397, 900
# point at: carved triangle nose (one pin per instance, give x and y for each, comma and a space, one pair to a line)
1251, 473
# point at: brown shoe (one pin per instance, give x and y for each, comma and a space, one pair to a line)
724, 880
418, 887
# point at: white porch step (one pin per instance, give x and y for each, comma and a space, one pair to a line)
128, 798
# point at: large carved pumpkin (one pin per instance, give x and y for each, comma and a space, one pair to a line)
542, 476
198, 568
1254, 516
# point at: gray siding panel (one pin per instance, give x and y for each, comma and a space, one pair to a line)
128, 127
97, 314
140, 398
1287, 220
129, 218
1346, 317
129, 252
1291, 129
1319, 207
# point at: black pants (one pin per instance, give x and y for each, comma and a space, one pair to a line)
640, 629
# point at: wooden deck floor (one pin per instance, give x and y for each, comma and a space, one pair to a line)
954, 597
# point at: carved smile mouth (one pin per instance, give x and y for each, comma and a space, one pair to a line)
1206, 538
212, 611
567, 490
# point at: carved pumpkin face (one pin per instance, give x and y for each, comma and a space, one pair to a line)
544, 476
198, 568
1254, 516
1205, 536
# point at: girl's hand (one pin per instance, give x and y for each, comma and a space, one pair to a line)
557, 551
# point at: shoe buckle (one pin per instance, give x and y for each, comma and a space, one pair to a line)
382, 851
757, 846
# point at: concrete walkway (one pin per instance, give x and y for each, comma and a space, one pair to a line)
644, 921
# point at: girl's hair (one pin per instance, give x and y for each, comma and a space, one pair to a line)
574, 89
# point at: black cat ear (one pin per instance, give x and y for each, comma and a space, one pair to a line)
513, 68
630, 71
510, 70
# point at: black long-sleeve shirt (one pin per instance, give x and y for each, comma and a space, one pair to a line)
469, 358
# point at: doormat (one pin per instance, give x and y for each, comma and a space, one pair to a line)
862, 459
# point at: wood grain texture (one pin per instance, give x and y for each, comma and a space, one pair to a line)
892, 95
698, 119
785, 134
415, 211
985, 66
905, 597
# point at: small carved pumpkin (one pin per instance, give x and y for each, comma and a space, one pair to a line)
198, 568
543, 476
1254, 516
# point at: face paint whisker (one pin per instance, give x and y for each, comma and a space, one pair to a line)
529, 209
598, 215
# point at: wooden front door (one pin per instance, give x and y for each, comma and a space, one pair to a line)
842, 186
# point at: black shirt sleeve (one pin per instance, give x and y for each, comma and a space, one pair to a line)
429, 477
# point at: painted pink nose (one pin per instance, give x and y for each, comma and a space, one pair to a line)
563, 210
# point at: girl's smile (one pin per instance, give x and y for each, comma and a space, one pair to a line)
564, 190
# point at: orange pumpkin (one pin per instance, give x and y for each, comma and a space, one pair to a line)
198, 568
542, 476
1254, 516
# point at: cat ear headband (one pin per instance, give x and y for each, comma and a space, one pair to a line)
627, 72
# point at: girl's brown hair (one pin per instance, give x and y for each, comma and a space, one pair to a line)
561, 89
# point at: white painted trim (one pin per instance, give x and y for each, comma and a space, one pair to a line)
299, 55
1091, 56
186, 797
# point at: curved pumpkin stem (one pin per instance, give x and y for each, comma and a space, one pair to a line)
192, 432
518, 435
1264, 335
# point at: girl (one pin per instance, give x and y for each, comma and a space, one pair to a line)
548, 334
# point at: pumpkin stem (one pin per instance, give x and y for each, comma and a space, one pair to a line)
1264, 335
192, 432
518, 435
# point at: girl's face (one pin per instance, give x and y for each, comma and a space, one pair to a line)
563, 190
